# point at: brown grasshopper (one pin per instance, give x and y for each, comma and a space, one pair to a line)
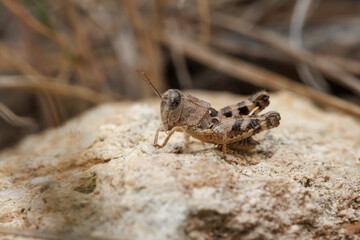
231, 126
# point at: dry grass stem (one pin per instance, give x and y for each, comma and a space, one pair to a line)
16, 8
91, 74
57, 52
205, 23
7, 55
146, 43
258, 9
30, 84
324, 65
47, 104
349, 65
309, 76
253, 74
181, 70
13, 119
43, 84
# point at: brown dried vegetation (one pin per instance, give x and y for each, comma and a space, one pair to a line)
62, 57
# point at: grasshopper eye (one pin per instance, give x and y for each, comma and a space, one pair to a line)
174, 99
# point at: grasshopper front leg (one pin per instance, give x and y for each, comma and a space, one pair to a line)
161, 129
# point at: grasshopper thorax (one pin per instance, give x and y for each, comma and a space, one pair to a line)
179, 109
182, 109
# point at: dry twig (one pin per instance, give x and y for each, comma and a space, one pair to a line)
15, 120
308, 75
30, 84
181, 69
23, 14
42, 84
46, 102
146, 43
253, 74
91, 74
275, 40
205, 26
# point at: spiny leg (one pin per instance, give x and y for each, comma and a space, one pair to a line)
247, 126
269, 120
172, 131
259, 100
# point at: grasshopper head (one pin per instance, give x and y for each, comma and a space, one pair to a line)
177, 108
171, 107
171, 104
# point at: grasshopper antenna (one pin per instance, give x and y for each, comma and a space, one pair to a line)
146, 79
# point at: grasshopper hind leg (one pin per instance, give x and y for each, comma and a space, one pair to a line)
243, 128
254, 105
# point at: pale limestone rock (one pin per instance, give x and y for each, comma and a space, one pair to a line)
99, 175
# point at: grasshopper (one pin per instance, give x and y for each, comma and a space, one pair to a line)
232, 126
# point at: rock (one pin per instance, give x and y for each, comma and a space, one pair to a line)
99, 175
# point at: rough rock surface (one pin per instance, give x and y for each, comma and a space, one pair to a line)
99, 175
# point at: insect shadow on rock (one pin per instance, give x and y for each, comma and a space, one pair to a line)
230, 127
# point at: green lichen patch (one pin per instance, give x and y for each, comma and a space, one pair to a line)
88, 186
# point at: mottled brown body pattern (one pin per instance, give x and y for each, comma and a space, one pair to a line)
231, 126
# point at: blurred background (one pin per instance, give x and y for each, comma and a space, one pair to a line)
59, 58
